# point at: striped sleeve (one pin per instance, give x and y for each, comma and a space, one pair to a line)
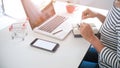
110, 55
110, 58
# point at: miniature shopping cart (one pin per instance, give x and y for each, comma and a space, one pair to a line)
18, 30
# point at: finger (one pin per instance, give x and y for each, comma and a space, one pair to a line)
86, 15
82, 24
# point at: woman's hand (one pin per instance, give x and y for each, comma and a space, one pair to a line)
86, 31
88, 14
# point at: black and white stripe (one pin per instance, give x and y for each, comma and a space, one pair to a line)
110, 37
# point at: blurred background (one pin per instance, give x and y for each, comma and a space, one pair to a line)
103, 4
13, 9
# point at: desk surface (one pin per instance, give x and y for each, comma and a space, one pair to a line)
19, 54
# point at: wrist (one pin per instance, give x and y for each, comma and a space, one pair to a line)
92, 39
100, 17
96, 43
97, 15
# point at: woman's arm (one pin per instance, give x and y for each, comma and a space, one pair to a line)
100, 17
88, 34
91, 14
108, 56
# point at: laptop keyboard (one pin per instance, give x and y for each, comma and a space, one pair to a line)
52, 24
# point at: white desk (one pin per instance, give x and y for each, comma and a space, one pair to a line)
19, 54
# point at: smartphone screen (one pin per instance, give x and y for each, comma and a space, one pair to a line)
44, 44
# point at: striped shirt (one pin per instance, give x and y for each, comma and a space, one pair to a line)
109, 57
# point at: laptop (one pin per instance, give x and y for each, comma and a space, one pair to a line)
53, 25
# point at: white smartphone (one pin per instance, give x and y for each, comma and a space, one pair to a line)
45, 44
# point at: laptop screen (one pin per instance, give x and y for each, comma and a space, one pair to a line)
38, 11
47, 12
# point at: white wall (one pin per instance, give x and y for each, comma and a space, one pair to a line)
104, 4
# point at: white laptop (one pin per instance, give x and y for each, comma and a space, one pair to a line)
59, 28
